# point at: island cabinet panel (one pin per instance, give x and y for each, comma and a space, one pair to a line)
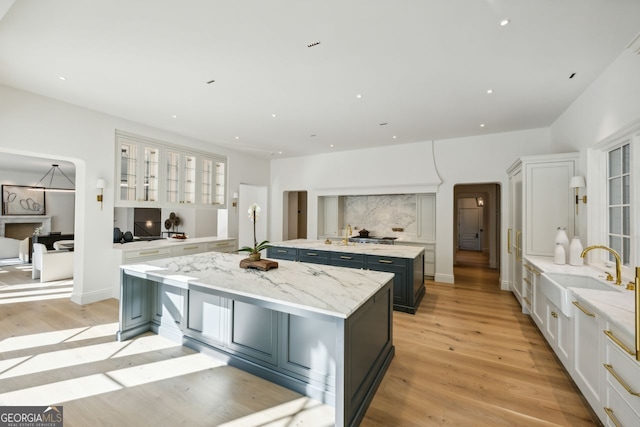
207, 317
135, 316
290, 254
397, 266
309, 349
341, 259
254, 332
313, 256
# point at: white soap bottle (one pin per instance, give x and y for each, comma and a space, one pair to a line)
559, 256
575, 249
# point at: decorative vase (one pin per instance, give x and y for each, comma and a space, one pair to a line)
559, 256
254, 256
575, 249
563, 239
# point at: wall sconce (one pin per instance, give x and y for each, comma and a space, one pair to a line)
578, 182
234, 203
100, 184
479, 202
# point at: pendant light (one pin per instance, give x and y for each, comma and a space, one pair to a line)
51, 172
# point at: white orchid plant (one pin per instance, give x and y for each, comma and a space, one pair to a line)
254, 212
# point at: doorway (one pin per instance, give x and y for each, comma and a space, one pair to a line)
477, 225
295, 215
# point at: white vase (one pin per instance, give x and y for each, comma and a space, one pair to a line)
559, 256
563, 239
575, 249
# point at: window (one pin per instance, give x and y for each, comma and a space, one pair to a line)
619, 202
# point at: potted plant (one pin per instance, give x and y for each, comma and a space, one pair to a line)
254, 252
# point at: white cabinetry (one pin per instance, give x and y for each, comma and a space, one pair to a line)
622, 379
152, 173
330, 214
540, 202
426, 216
138, 169
587, 361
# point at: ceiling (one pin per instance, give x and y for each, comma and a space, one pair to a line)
299, 77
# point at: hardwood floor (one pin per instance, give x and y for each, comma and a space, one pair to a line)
468, 358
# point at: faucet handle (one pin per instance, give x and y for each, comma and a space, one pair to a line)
631, 286
609, 277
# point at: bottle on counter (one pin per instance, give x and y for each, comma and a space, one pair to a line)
563, 239
575, 249
559, 256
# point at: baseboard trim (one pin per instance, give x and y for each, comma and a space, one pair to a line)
444, 278
89, 297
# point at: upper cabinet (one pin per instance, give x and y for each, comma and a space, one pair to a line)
426, 216
152, 173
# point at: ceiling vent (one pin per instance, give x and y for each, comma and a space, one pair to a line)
635, 45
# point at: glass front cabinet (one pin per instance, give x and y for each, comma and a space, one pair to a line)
157, 174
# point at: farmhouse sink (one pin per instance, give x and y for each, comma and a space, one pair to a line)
555, 286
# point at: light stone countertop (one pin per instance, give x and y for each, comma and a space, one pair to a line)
397, 251
163, 243
334, 291
616, 307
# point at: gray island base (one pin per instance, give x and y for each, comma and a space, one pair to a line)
322, 331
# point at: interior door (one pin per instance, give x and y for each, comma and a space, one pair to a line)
469, 238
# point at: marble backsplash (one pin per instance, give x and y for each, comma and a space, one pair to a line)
380, 213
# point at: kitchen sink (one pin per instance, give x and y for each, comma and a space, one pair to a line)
555, 286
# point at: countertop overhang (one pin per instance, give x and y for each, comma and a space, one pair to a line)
395, 250
138, 245
326, 290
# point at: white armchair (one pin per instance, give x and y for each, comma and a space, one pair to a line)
51, 265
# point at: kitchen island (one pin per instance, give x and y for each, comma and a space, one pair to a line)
322, 331
405, 262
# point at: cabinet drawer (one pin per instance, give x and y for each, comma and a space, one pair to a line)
145, 254
188, 249
617, 411
223, 246
344, 259
623, 374
316, 257
282, 253
382, 260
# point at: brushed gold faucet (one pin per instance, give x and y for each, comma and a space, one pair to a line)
347, 233
615, 255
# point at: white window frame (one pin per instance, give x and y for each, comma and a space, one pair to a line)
598, 202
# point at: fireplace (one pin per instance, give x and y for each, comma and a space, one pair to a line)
19, 227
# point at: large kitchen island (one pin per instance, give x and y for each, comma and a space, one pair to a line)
322, 331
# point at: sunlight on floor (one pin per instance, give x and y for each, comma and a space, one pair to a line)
55, 337
80, 355
297, 412
91, 385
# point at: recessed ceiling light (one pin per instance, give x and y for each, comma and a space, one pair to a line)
237, 137
274, 115
359, 96
384, 124
174, 116
505, 22
279, 152
331, 146
394, 137
62, 78
489, 90
482, 125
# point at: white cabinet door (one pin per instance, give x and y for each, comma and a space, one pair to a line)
549, 204
330, 213
588, 345
515, 233
426, 214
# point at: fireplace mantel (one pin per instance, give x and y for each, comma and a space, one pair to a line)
43, 220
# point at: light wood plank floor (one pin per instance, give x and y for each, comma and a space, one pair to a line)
467, 358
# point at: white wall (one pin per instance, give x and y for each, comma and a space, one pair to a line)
609, 104
408, 168
35, 125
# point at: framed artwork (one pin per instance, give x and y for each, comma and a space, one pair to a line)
21, 200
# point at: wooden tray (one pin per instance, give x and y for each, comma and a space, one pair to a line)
262, 264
